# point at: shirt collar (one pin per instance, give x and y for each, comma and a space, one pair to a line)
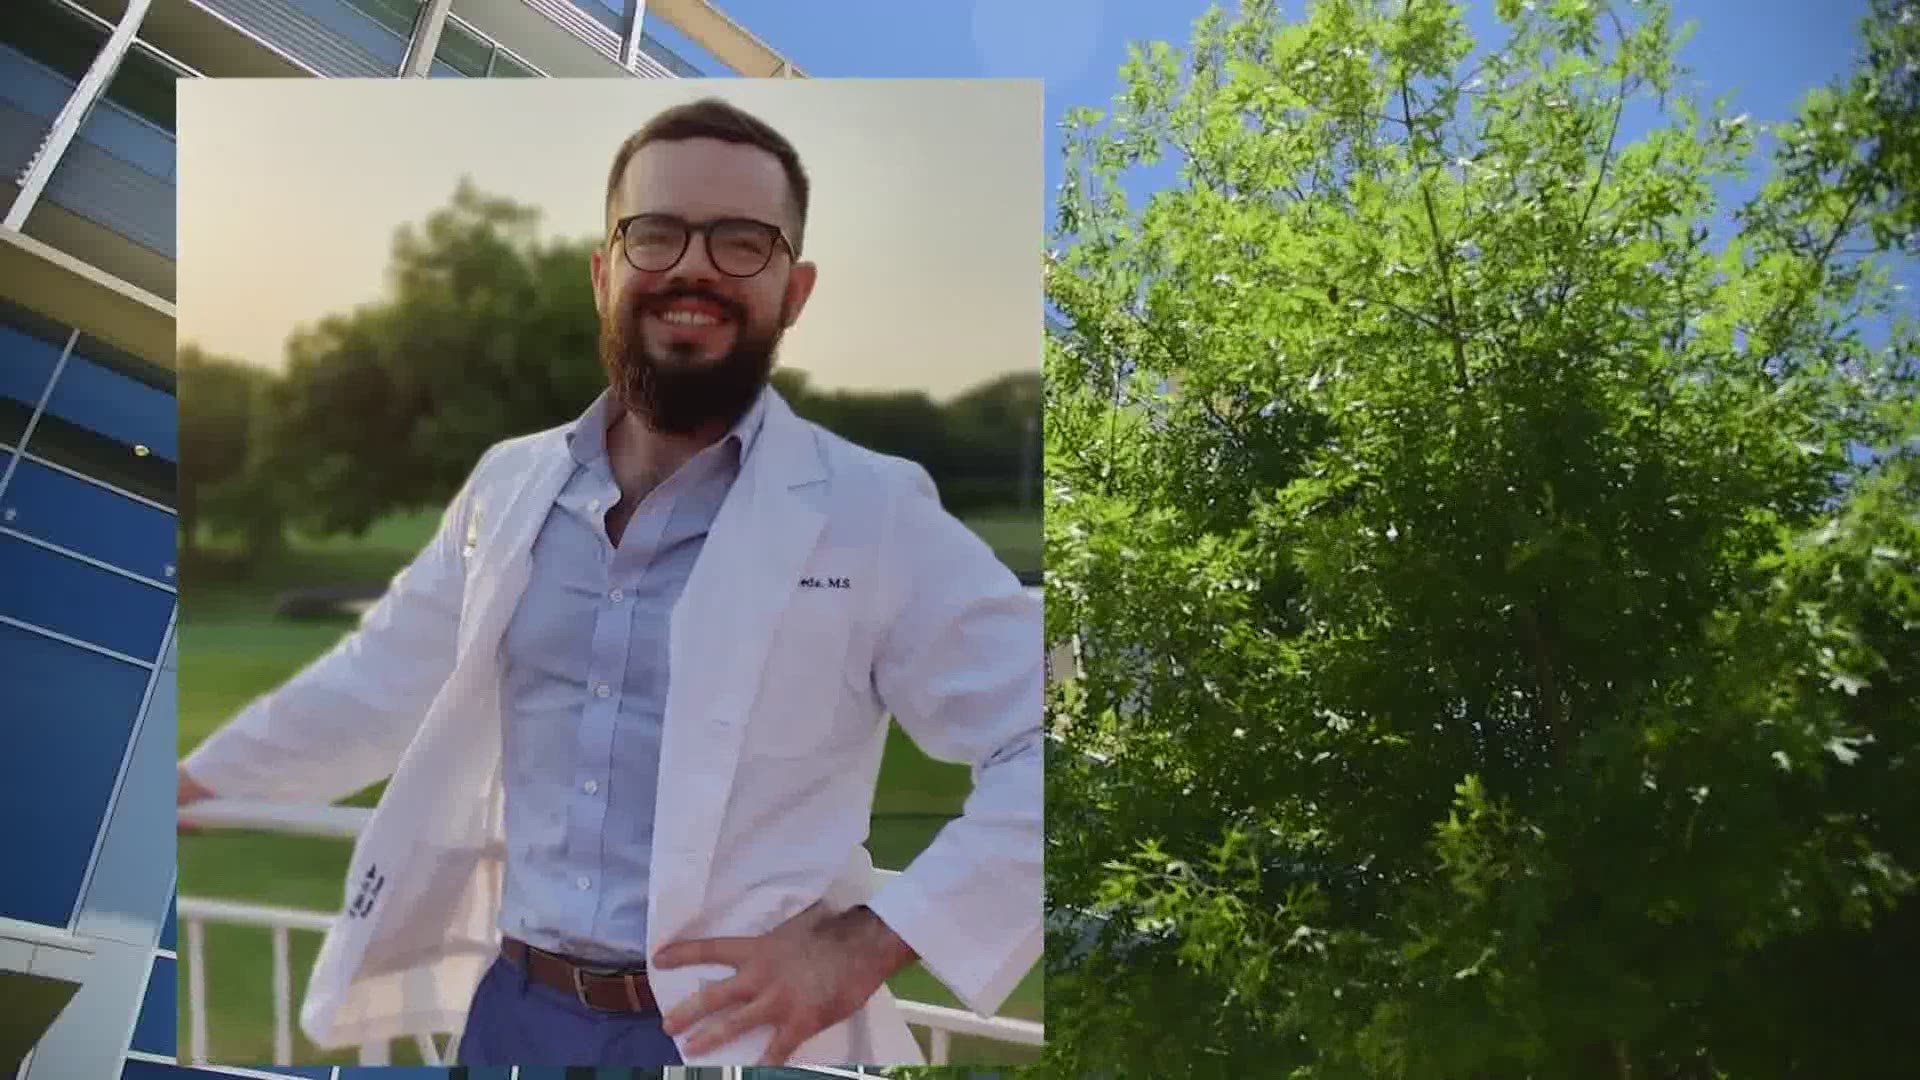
747, 429
587, 435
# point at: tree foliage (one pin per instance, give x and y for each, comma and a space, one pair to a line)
1495, 591
488, 330
221, 406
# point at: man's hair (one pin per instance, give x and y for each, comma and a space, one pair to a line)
711, 118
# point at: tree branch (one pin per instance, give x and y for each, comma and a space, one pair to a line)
1540, 652
1815, 276
1600, 177
1423, 320
1440, 255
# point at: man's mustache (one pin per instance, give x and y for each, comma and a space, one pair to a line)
655, 303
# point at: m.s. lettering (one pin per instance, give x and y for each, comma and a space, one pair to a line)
369, 890
826, 583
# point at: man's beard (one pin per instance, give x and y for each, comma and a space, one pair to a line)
681, 394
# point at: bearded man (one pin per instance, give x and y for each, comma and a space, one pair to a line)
632, 695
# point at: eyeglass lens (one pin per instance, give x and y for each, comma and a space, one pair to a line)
737, 247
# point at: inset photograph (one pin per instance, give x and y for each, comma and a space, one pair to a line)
610, 624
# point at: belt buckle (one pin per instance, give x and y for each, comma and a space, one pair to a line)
625, 977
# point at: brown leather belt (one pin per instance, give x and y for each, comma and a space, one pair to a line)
608, 990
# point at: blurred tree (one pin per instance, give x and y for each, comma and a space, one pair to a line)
488, 331
993, 431
220, 415
1496, 601
908, 423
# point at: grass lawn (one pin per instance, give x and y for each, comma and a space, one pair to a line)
232, 650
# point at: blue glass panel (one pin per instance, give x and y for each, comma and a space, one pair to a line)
27, 358
157, 1031
111, 416
669, 59
506, 67
63, 594
30, 85
169, 932
117, 406
50, 33
91, 520
131, 139
343, 19
607, 13
408, 1072
69, 714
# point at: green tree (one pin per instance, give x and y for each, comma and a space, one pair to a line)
1496, 599
221, 403
486, 330
993, 432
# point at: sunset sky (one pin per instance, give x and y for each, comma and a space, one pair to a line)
925, 218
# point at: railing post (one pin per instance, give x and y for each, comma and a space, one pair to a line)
345, 823
282, 999
197, 990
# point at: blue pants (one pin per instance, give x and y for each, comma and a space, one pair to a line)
516, 1021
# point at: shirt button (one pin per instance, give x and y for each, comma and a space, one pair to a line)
590, 786
585, 883
616, 596
593, 504
603, 690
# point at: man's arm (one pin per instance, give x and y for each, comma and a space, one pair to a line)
344, 721
960, 665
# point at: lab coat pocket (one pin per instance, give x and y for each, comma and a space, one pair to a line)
804, 708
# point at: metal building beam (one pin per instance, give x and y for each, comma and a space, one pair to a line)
66, 123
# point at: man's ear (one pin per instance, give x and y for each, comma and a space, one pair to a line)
800, 284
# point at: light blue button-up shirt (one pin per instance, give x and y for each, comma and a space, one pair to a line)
586, 694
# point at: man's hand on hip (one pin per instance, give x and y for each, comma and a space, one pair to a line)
800, 978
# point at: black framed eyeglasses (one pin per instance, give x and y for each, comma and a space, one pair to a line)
737, 247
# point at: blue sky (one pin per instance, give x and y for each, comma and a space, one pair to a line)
1765, 53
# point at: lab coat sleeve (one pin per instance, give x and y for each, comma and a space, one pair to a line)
345, 720
959, 664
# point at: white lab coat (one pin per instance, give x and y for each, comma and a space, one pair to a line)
832, 590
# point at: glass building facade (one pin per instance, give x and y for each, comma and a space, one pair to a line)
87, 603
88, 459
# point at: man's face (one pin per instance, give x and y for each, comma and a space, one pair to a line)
689, 346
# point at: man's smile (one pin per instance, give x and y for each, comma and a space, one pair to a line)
689, 315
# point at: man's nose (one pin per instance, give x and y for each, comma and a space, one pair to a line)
694, 267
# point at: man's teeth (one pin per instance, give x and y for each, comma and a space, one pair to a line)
688, 318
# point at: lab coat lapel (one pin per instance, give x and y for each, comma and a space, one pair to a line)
502, 540
720, 635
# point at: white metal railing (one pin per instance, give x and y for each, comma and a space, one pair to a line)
345, 823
